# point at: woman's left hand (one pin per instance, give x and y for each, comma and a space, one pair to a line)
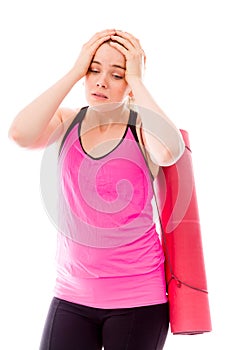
135, 57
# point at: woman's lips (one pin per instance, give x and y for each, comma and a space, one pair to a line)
99, 96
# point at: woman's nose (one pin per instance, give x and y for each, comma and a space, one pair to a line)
101, 85
102, 82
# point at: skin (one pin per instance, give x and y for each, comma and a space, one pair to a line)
112, 63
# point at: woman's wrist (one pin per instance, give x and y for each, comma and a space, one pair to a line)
134, 81
74, 75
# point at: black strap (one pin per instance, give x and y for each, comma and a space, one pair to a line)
132, 124
78, 118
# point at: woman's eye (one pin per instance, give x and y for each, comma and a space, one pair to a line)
92, 70
116, 76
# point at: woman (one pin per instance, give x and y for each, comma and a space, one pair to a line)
110, 290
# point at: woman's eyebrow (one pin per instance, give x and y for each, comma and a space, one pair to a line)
113, 65
118, 66
96, 62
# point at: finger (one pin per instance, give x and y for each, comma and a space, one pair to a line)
125, 42
101, 35
95, 42
128, 46
129, 37
119, 47
101, 40
105, 32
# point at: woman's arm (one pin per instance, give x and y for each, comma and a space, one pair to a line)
41, 117
162, 139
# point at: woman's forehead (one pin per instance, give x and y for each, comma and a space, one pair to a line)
107, 53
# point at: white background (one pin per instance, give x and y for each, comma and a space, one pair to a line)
189, 72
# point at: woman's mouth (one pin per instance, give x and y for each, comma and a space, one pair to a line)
99, 96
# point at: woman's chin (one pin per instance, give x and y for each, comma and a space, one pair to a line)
106, 107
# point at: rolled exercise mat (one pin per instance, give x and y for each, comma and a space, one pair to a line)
182, 243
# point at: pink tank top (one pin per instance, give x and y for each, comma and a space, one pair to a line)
109, 254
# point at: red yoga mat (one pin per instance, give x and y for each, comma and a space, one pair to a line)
182, 243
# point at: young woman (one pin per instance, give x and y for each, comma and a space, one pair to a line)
110, 289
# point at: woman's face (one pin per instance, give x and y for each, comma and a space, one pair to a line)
105, 81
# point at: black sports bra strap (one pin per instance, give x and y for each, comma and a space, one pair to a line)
81, 114
79, 117
132, 124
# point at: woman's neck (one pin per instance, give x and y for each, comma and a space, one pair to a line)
108, 113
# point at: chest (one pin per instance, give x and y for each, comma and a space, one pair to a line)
101, 140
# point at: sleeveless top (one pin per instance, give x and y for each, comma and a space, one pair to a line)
109, 254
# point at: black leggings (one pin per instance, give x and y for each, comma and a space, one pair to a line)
72, 326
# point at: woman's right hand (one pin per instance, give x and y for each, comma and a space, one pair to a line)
36, 122
85, 57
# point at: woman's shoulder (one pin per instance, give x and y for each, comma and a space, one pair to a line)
66, 116
154, 168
